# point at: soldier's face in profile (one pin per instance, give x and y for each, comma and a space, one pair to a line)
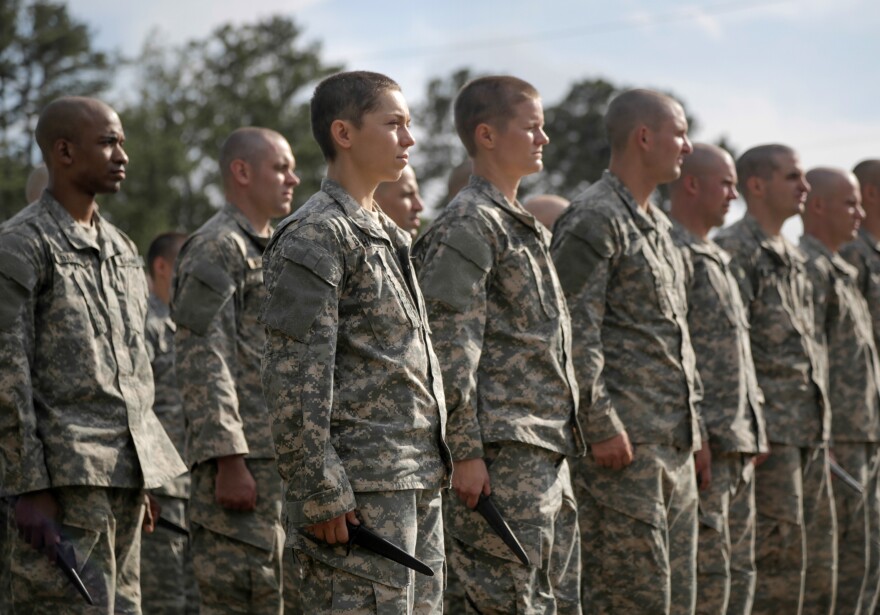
717, 190
520, 145
274, 179
845, 212
98, 158
670, 144
380, 145
787, 189
401, 201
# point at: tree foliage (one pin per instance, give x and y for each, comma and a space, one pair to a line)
191, 97
44, 53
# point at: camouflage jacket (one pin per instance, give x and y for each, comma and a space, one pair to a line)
843, 329
731, 401
76, 391
864, 253
349, 373
778, 296
624, 280
217, 293
159, 336
500, 325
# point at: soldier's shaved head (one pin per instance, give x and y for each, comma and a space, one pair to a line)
706, 158
868, 172
632, 109
833, 212
761, 161
249, 144
65, 118
826, 181
546, 208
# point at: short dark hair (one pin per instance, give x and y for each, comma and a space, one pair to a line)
165, 245
632, 108
868, 172
487, 100
760, 161
345, 96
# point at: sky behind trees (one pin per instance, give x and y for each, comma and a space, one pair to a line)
799, 72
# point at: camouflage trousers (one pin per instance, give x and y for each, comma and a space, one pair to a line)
639, 533
726, 552
103, 525
796, 537
532, 489
168, 585
293, 579
858, 528
237, 555
363, 583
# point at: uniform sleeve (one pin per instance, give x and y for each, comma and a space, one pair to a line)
583, 256
304, 272
204, 309
454, 265
22, 462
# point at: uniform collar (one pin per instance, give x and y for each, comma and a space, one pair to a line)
381, 227
751, 224
241, 220
656, 220
76, 235
814, 245
515, 209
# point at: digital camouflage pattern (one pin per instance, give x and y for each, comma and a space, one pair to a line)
843, 325
168, 585
863, 253
361, 582
501, 327
531, 487
845, 333
349, 373
634, 359
500, 324
777, 294
217, 294
731, 399
731, 411
74, 371
624, 280
726, 553
103, 527
638, 533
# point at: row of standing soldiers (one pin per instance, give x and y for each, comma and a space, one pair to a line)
690, 383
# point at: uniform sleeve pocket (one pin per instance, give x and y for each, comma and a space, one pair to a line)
460, 265
307, 284
202, 293
17, 280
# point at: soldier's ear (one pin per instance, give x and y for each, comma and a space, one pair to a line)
341, 131
691, 184
240, 171
484, 136
63, 151
755, 185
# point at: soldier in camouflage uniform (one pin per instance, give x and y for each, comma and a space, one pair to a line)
79, 441
235, 506
503, 335
348, 371
731, 404
864, 253
168, 585
792, 489
402, 202
832, 215
624, 280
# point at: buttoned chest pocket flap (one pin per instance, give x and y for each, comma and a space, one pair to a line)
722, 286
306, 286
644, 269
382, 297
130, 282
201, 294
74, 292
772, 310
529, 284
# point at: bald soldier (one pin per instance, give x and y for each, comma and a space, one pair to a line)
79, 441
546, 208
624, 280
401, 201
235, 506
792, 492
731, 404
863, 253
832, 216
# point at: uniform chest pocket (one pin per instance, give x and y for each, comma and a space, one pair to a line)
528, 288
644, 268
721, 286
75, 295
384, 301
130, 283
